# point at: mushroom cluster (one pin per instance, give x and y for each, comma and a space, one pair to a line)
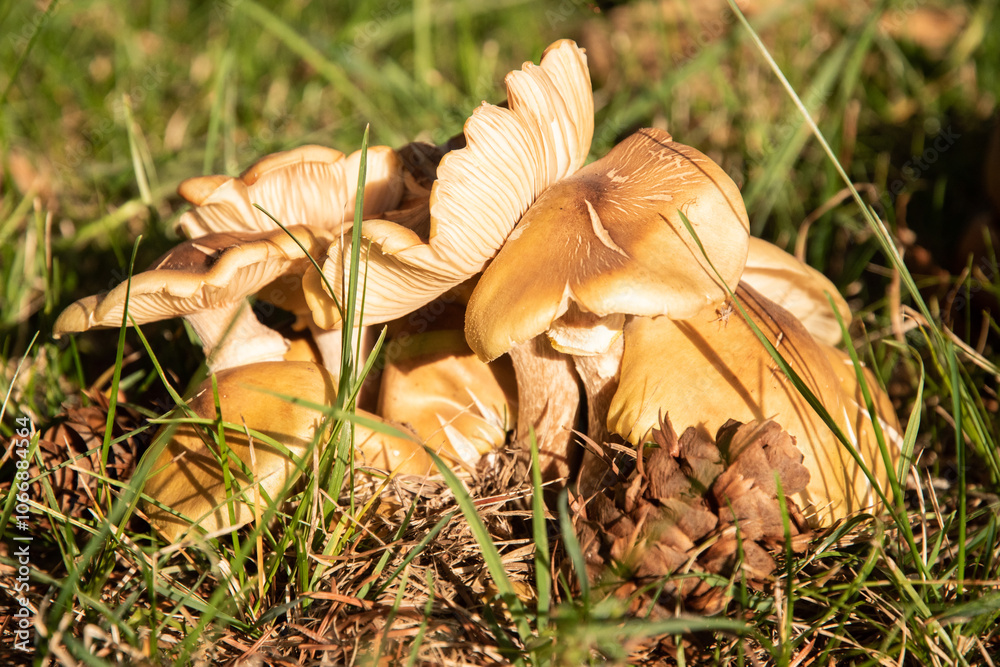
521, 286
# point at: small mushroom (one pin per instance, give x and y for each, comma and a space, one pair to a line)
704, 371
433, 383
798, 288
206, 281
186, 486
309, 185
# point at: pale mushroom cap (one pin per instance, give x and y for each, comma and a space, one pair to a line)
798, 288
512, 155
187, 476
460, 406
309, 185
706, 370
197, 276
610, 239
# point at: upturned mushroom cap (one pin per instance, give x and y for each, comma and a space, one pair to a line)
798, 288
206, 280
512, 155
609, 239
197, 275
309, 185
706, 370
187, 475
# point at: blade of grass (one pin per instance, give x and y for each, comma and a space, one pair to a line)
36, 31
428, 608
572, 546
141, 178
543, 579
113, 398
960, 462
215, 113
384, 559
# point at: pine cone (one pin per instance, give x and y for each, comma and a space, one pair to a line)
694, 508
71, 454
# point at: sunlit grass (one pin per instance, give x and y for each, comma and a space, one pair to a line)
99, 124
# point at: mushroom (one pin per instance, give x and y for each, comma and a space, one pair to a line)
309, 185
206, 281
798, 288
186, 486
704, 370
512, 154
604, 243
434, 384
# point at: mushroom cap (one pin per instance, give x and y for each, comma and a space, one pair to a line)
457, 404
706, 370
187, 476
309, 185
198, 275
798, 288
610, 239
512, 155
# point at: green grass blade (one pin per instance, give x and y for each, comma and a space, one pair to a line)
543, 579
572, 546
116, 378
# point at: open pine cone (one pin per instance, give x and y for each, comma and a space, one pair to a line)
71, 453
691, 509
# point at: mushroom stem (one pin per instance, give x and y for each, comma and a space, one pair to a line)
548, 400
600, 374
231, 335
330, 344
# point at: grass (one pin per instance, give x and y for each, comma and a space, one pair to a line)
107, 108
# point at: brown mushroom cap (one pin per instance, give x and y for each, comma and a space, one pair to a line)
187, 476
610, 239
207, 280
798, 288
512, 155
706, 370
309, 185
